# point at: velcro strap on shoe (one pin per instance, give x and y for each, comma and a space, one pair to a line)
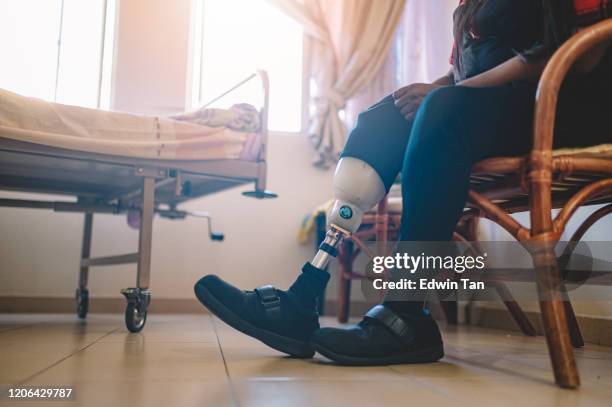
391, 320
270, 300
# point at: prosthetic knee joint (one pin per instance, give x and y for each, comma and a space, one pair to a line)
357, 188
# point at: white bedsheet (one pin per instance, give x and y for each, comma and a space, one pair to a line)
97, 131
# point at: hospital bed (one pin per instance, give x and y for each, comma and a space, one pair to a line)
147, 178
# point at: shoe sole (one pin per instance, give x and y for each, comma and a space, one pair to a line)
290, 346
428, 355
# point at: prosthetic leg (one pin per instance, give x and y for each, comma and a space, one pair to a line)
383, 336
357, 188
286, 320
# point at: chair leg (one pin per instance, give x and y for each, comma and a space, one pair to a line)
520, 318
554, 320
451, 308
451, 311
515, 310
572, 323
447, 299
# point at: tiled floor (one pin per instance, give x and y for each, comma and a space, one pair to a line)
196, 360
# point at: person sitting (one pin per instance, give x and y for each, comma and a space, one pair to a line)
433, 133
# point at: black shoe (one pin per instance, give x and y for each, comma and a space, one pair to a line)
382, 338
270, 315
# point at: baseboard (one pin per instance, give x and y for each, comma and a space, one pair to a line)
61, 305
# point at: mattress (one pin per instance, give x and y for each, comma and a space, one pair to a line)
122, 134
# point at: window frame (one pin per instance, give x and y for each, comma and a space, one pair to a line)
195, 58
108, 49
104, 84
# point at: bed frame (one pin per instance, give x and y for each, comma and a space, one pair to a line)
115, 185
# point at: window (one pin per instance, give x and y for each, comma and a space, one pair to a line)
233, 38
58, 50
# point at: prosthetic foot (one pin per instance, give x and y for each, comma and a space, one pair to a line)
286, 320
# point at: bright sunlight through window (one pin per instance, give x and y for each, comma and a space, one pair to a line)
58, 50
233, 38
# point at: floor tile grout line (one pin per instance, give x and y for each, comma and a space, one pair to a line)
18, 327
506, 358
66, 357
233, 391
517, 363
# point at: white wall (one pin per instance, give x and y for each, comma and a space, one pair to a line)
39, 250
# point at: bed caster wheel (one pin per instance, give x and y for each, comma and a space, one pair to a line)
135, 318
136, 310
82, 300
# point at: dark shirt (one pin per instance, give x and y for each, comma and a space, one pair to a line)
502, 29
498, 31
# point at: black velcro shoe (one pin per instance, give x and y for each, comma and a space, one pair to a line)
382, 338
272, 316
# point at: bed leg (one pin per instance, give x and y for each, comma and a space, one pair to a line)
260, 191
139, 298
146, 233
82, 293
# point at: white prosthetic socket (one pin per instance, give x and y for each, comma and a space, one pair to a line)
357, 188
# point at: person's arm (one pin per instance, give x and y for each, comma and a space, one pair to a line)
517, 69
445, 80
408, 98
514, 69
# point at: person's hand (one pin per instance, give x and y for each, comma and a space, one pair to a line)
409, 98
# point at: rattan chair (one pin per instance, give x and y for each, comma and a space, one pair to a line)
547, 179
539, 182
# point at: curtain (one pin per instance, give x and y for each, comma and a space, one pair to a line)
424, 40
419, 52
347, 43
